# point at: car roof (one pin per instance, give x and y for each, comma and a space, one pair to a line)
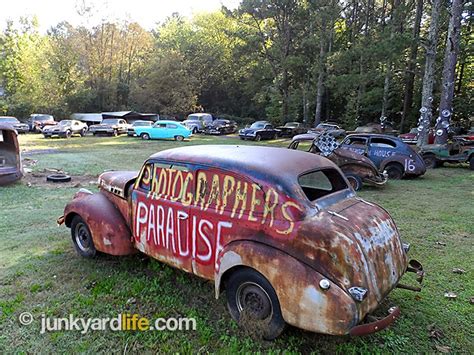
168, 121
373, 135
281, 166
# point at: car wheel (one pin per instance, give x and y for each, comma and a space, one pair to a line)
116, 133
275, 136
394, 171
83, 132
145, 136
82, 238
252, 302
430, 161
195, 130
355, 181
68, 134
471, 163
179, 138
58, 178
94, 134
258, 138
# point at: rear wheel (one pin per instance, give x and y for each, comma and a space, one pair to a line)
179, 138
394, 171
253, 303
195, 130
82, 238
430, 161
83, 132
145, 136
355, 181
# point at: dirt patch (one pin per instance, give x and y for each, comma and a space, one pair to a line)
38, 178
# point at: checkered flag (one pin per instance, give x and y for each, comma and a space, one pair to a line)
326, 143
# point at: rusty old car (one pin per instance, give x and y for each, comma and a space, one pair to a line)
10, 161
390, 154
358, 169
288, 241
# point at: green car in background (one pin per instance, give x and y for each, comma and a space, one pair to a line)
435, 155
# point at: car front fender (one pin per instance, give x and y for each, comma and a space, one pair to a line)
303, 302
110, 232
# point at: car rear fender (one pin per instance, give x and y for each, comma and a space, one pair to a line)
110, 232
302, 301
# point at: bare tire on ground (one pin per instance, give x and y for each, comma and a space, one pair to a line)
253, 303
82, 238
58, 178
145, 136
355, 181
394, 171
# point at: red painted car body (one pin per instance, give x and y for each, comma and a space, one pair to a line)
286, 215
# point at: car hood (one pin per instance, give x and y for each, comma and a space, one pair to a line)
249, 130
355, 244
117, 182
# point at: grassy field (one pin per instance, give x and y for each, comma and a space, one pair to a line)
41, 273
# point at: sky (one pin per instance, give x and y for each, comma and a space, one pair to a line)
146, 12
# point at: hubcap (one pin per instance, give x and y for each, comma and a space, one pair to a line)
253, 298
82, 236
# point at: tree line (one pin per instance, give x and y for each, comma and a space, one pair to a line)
284, 60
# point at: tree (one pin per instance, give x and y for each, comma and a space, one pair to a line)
428, 78
449, 73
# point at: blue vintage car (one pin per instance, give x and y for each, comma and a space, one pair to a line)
388, 153
164, 130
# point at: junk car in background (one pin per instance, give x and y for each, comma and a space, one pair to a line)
335, 130
221, 126
110, 126
280, 231
259, 130
358, 169
412, 136
66, 129
15, 123
131, 130
164, 130
435, 155
38, 121
197, 122
388, 153
291, 129
10, 160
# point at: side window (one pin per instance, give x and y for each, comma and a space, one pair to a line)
304, 146
317, 184
382, 143
145, 177
357, 141
161, 125
268, 126
172, 126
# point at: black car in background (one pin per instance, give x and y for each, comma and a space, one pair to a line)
38, 121
259, 130
13, 121
221, 126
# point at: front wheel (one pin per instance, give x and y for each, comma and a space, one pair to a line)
394, 171
68, 134
82, 238
116, 133
179, 138
355, 181
195, 130
253, 303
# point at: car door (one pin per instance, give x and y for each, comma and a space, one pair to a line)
160, 213
356, 144
158, 131
268, 131
171, 130
381, 149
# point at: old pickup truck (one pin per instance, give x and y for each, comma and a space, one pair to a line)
280, 231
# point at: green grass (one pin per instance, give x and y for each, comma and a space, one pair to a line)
41, 273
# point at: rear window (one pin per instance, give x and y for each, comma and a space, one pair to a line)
382, 143
317, 184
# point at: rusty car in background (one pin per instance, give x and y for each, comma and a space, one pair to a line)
38, 121
388, 153
291, 129
65, 129
358, 169
335, 130
288, 241
10, 160
435, 155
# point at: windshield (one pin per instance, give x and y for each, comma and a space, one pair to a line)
110, 121
193, 118
65, 123
258, 125
319, 183
291, 124
9, 119
42, 117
